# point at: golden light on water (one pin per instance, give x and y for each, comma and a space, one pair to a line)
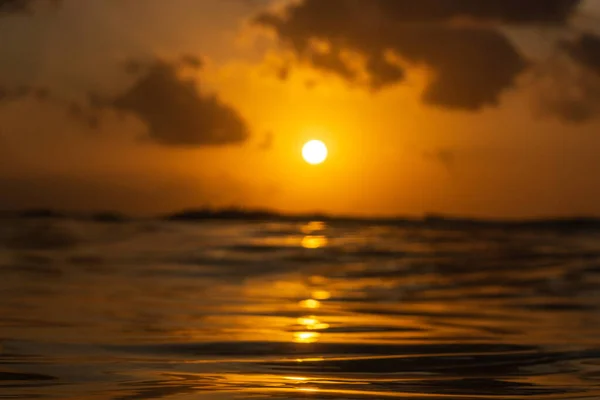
312, 227
296, 378
312, 390
321, 295
310, 303
311, 359
314, 152
306, 337
308, 321
318, 280
314, 242
312, 323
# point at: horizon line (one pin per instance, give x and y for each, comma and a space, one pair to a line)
258, 214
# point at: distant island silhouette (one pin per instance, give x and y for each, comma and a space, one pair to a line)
260, 215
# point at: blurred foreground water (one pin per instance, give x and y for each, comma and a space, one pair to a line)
295, 310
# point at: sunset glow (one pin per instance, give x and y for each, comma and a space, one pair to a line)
372, 199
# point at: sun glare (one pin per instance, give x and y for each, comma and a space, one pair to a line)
314, 152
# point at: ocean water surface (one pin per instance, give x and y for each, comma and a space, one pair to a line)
297, 310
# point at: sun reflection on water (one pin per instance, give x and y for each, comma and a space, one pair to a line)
309, 325
318, 280
302, 382
321, 295
311, 227
312, 323
310, 303
241, 335
312, 390
308, 321
314, 242
306, 337
295, 378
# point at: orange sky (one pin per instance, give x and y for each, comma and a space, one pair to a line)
390, 153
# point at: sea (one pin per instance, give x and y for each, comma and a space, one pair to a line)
301, 308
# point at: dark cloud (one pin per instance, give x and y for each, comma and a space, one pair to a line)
84, 114
568, 86
323, 13
569, 91
172, 107
11, 94
471, 67
332, 61
19, 6
23, 91
383, 73
586, 50
175, 111
7, 6
472, 64
503, 11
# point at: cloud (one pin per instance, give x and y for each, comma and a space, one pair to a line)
19, 6
567, 90
173, 109
586, 50
23, 91
175, 112
502, 11
472, 62
9, 6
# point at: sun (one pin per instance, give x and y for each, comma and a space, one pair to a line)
314, 152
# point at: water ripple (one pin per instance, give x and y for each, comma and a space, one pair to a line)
336, 310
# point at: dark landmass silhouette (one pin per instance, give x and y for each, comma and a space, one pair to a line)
43, 213
437, 221
243, 214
